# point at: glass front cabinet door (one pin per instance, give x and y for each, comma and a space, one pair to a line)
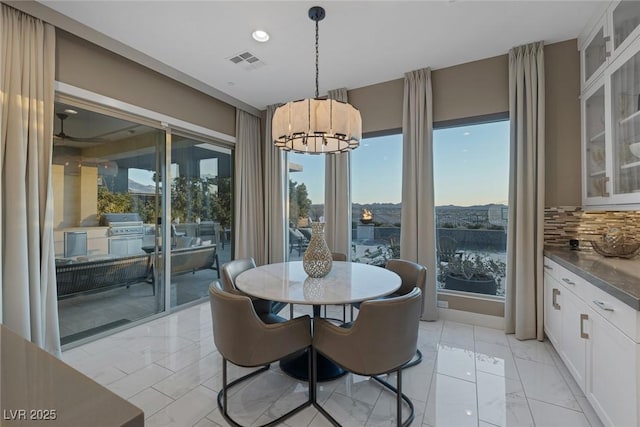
594, 54
625, 20
595, 153
611, 118
625, 127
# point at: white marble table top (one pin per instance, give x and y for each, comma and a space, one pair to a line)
347, 282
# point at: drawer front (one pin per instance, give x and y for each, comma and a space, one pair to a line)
571, 281
615, 311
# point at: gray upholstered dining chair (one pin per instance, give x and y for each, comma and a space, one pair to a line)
243, 339
230, 270
412, 275
382, 339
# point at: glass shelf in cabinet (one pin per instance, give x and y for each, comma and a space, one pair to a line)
630, 118
598, 137
630, 165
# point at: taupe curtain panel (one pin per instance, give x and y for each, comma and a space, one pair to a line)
249, 194
28, 297
524, 299
417, 235
275, 202
337, 194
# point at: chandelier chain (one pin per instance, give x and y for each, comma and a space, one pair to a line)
317, 69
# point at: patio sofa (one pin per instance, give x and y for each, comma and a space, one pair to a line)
78, 277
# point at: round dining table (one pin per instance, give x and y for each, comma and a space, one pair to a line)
346, 283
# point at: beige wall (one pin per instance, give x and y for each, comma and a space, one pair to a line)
473, 89
380, 105
87, 66
562, 104
482, 87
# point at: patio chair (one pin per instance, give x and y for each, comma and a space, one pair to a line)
297, 241
447, 248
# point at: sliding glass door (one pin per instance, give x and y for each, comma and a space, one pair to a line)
106, 187
201, 219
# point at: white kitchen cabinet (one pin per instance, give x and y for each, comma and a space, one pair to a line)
612, 377
566, 314
610, 104
612, 30
552, 309
598, 338
574, 338
594, 53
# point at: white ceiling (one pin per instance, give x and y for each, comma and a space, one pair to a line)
361, 42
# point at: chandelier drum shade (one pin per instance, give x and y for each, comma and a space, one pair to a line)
316, 125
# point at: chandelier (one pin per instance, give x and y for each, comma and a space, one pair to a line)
316, 125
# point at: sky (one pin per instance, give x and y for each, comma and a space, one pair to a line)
471, 167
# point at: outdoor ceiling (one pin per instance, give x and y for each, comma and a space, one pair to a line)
361, 42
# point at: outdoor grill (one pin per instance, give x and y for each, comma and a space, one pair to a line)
126, 231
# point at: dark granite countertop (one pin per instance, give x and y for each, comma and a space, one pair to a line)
616, 276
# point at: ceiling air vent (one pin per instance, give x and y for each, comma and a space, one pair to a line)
247, 60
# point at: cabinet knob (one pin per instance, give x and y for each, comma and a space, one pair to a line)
568, 282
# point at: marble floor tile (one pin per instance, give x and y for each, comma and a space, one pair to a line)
469, 375
150, 401
530, 350
548, 415
347, 411
457, 333
134, 383
360, 388
502, 402
185, 356
489, 335
179, 383
205, 422
456, 361
543, 382
496, 359
589, 412
384, 412
186, 411
452, 403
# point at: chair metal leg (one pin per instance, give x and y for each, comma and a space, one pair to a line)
415, 361
222, 397
399, 398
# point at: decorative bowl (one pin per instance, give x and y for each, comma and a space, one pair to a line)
635, 149
623, 249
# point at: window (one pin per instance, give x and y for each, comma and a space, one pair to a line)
471, 180
306, 199
376, 193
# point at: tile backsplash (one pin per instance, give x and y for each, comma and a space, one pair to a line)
570, 222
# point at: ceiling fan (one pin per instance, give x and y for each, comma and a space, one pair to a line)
64, 137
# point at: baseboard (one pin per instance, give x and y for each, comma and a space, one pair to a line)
477, 319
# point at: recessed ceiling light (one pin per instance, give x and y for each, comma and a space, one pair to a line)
467, 133
260, 36
70, 111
